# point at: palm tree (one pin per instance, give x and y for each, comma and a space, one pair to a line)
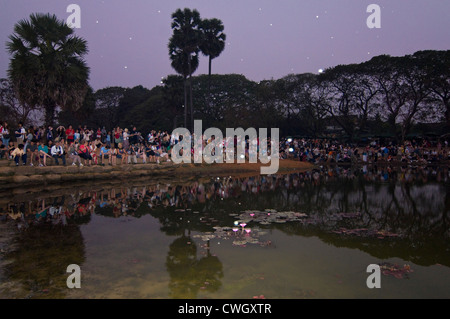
183, 65
47, 67
213, 40
184, 48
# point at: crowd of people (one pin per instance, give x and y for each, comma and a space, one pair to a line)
82, 146
323, 151
85, 146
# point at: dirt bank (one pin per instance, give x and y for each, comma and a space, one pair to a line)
24, 176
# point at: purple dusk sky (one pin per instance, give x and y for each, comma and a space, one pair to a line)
265, 38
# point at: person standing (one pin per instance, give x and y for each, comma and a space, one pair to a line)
70, 135
5, 134
50, 135
60, 133
1, 132
117, 137
104, 135
20, 133
77, 136
126, 141
108, 139
28, 139
3, 150
98, 134
133, 136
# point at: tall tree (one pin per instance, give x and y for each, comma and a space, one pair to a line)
340, 82
387, 76
213, 39
172, 96
107, 103
47, 67
85, 115
437, 66
130, 99
417, 89
11, 109
184, 49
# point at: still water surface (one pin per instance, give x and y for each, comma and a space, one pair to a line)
304, 235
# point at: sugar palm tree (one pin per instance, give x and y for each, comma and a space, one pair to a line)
184, 65
213, 39
47, 67
184, 48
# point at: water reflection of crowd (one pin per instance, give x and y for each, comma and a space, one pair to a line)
125, 201
56, 210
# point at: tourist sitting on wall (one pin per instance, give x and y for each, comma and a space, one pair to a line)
121, 153
94, 151
84, 152
3, 150
73, 154
113, 155
57, 152
133, 150
150, 152
142, 153
105, 152
43, 154
18, 153
32, 149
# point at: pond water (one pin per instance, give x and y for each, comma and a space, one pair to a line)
304, 235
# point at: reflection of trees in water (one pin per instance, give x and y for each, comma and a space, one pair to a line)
40, 258
406, 201
64, 209
46, 239
413, 203
188, 274
403, 206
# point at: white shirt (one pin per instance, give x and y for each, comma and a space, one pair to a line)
57, 150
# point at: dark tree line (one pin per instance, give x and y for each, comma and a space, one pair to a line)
386, 96
390, 96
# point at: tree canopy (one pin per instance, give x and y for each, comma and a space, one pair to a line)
47, 67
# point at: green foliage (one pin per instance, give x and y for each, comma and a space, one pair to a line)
47, 68
384, 96
83, 115
153, 113
213, 39
373, 98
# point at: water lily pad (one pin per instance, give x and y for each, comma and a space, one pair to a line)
394, 270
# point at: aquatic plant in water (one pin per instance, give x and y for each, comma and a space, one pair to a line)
397, 271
